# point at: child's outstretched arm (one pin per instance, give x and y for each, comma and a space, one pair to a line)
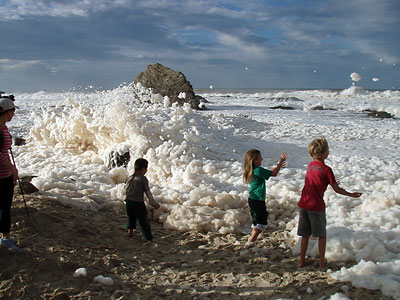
341, 191
281, 164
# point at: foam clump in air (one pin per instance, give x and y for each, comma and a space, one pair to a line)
355, 76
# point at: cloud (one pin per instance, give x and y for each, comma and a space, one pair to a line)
287, 38
19, 9
365, 26
242, 49
8, 64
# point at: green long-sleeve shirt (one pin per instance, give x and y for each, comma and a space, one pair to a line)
257, 184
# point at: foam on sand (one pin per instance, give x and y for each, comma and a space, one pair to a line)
196, 158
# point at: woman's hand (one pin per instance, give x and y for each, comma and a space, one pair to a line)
14, 173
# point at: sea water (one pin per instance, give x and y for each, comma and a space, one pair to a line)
196, 162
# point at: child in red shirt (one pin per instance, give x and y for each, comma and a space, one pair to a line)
312, 220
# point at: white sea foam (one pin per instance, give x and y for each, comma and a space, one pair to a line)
371, 275
339, 296
81, 272
196, 160
355, 76
104, 280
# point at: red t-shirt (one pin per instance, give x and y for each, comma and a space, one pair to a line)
318, 177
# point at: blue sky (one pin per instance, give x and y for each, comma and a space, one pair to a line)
56, 45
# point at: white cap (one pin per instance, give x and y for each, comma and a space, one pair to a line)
6, 104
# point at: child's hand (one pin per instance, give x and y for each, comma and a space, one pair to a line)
281, 164
157, 206
356, 195
284, 157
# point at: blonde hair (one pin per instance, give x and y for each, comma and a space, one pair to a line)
318, 148
249, 158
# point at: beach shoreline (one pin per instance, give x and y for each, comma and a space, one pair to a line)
57, 240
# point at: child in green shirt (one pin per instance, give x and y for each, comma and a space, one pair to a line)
256, 176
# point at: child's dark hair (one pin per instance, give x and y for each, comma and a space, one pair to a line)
250, 157
140, 164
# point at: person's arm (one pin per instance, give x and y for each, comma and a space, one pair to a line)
152, 201
149, 195
341, 191
6, 163
281, 164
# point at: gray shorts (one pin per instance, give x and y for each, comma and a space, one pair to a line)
312, 223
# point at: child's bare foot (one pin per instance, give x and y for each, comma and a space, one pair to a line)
152, 243
130, 232
301, 264
250, 244
322, 266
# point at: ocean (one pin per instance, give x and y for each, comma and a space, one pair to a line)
196, 162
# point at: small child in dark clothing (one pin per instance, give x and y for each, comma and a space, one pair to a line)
136, 186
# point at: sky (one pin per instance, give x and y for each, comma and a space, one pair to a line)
59, 45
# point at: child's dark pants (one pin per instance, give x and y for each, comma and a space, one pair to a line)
137, 211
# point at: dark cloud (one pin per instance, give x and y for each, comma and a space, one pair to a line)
58, 44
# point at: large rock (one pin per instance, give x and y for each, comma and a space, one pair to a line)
19, 141
171, 83
26, 186
379, 114
116, 159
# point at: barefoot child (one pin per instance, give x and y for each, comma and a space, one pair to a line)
136, 186
312, 220
256, 176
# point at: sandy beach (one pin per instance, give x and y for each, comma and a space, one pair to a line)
57, 240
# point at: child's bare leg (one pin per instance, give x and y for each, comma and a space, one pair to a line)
130, 232
303, 250
254, 235
321, 249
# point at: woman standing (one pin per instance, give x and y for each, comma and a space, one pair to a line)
8, 173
